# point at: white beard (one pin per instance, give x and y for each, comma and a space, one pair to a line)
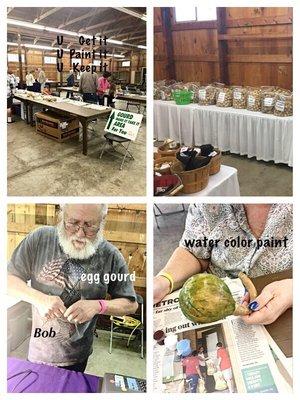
66, 244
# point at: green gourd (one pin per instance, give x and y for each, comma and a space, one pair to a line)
205, 298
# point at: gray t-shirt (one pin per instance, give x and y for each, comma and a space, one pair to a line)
40, 259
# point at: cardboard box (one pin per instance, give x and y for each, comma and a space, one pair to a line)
55, 126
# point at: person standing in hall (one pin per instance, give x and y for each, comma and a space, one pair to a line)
41, 78
30, 80
88, 86
11, 86
70, 82
103, 86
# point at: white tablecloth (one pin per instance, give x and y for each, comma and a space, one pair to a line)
224, 183
244, 132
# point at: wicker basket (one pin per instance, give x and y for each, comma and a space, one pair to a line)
215, 163
174, 180
193, 181
161, 160
165, 151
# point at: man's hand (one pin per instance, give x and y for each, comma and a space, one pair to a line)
82, 311
273, 301
49, 306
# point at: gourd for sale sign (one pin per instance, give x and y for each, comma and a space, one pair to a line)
123, 123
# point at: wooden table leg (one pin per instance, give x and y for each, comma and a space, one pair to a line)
84, 136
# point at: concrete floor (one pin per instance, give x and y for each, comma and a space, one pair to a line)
167, 237
259, 178
122, 360
38, 166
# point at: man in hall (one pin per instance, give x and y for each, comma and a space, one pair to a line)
54, 259
88, 84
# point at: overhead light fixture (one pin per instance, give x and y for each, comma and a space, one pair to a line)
25, 24
131, 12
61, 31
115, 55
114, 41
140, 46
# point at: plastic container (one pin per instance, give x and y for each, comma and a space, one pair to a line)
182, 97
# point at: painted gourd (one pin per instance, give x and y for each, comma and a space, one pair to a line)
206, 298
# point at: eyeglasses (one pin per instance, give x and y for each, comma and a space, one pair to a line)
87, 229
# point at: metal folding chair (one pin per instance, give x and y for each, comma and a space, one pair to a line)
110, 139
128, 331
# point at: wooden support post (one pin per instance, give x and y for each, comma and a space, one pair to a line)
61, 73
130, 68
20, 59
25, 60
222, 45
113, 61
167, 35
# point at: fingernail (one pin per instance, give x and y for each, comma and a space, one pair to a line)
253, 305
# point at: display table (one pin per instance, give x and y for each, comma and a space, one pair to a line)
224, 183
139, 98
84, 114
68, 89
266, 137
27, 377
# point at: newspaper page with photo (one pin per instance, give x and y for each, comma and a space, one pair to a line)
223, 356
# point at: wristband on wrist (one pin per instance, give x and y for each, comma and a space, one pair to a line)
103, 306
170, 279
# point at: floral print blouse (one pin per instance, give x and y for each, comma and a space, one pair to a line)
226, 224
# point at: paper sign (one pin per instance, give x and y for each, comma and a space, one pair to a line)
123, 123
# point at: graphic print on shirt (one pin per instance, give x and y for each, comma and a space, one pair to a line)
65, 274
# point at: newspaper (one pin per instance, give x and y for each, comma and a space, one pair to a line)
245, 363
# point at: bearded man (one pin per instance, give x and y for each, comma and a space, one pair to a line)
54, 260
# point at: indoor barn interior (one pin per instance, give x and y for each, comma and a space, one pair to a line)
125, 228
69, 153
223, 77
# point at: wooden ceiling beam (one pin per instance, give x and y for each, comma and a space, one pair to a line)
130, 12
46, 14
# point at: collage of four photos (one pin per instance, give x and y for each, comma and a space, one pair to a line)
106, 274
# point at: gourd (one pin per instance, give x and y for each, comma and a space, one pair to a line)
206, 298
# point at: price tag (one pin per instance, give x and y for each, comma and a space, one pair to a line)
269, 101
202, 94
221, 97
280, 104
251, 100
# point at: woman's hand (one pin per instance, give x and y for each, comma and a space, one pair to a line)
273, 301
161, 287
